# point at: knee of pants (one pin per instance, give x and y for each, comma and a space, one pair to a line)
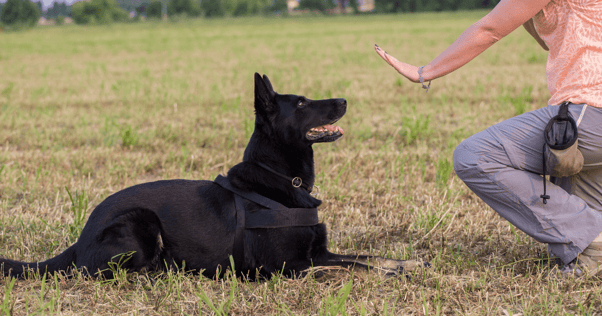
466, 159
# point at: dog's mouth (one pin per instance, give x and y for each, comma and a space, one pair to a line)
325, 133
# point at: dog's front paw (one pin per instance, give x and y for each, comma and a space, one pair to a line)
393, 268
412, 265
400, 265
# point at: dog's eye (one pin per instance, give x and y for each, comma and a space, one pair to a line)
300, 103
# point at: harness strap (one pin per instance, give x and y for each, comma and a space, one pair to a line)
295, 182
238, 249
293, 217
259, 199
273, 215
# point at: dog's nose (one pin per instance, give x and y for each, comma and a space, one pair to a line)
341, 102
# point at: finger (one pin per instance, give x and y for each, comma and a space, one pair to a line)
383, 55
391, 60
386, 56
379, 51
394, 63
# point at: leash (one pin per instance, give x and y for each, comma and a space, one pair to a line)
295, 182
273, 215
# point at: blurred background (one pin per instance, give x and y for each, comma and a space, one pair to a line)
19, 13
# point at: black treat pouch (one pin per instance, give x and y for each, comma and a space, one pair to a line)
561, 157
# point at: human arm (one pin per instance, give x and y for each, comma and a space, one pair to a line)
501, 21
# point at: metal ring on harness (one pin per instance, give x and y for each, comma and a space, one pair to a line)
296, 182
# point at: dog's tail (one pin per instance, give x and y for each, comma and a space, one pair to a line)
20, 269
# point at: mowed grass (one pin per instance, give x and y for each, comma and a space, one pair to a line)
87, 111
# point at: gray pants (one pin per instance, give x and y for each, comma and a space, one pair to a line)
503, 166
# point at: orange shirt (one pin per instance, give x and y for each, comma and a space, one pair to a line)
572, 29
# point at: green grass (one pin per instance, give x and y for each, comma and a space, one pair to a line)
87, 111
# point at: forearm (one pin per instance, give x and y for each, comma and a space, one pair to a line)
475, 39
507, 16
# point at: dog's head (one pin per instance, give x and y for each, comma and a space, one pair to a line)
293, 118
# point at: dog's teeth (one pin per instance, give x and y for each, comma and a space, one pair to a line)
324, 130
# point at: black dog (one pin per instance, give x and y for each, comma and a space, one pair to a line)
262, 214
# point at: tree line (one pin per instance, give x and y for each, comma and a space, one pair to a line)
106, 11
395, 6
22, 12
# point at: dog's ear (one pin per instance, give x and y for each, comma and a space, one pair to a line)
263, 94
268, 83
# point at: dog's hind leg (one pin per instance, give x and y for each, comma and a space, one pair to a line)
131, 241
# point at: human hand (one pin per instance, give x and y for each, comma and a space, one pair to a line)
406, 70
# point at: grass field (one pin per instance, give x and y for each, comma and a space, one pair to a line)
92, 110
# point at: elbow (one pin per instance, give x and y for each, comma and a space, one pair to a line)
490, 33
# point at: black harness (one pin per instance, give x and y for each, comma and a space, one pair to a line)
271, 215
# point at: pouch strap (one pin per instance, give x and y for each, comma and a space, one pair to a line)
563, 111
544, 196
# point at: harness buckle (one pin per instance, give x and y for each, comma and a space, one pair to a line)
296, 182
